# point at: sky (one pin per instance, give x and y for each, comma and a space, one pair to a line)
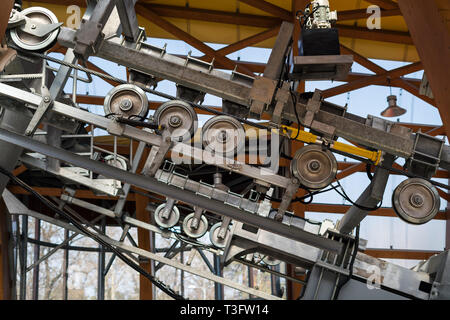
381, 232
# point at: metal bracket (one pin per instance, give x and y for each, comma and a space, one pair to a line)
261, 95
312, 107
207, 65
282, 97
38, 29
426, 155
16, 18
157, 155
290, 192
89, 36
40, 112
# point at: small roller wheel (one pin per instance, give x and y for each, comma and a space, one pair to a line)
126, 100
416, 201
195, 232
162, 221
314, 167
179, 118
223, 135
214, 236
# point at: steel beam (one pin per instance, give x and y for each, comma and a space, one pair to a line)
168, 67
128, 19
153, 185
369, 198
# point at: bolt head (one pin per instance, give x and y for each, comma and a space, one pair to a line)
222, 136
46, 99
416, 200
126, 105
314, 165
175, 121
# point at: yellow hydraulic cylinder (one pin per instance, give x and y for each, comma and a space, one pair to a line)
307, 137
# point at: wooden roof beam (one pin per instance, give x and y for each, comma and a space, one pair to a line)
362, 14
432, 39
214, 16
182, 35
270, 8
384, 4
247, 42
405, 84
376, 79
374, 35
400, 254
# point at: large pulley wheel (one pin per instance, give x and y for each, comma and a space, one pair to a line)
197, 232
169, 222
223, 135
126, 100
179, 118
219, 242
416, 201
40, 17
314, 167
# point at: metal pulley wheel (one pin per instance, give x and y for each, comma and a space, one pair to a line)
214, 236
416, 201
314, 167
39, 32
162, 221
179, 118
223, 135
195, 232
126, 100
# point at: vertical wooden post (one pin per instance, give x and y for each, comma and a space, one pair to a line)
7, 6
145, 287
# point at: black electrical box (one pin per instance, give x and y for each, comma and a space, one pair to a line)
319, 42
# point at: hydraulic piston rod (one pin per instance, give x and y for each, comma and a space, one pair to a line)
307, 137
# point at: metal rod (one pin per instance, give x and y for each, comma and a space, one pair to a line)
37, 248
170, 253
206, 260
75, 84
67, 239
23, 258
218, 288
101, 266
